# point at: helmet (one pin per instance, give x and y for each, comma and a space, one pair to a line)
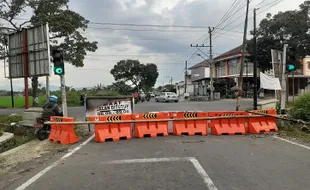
53, 99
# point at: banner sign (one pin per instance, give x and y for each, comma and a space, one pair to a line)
105, 105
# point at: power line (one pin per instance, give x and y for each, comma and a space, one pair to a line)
148, 25
144, 30
137, 55
146, 39
273, 4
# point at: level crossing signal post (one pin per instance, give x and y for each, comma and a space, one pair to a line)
59, 69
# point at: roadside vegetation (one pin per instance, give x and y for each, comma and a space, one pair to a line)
299, 110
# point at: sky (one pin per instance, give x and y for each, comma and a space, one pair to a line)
167, 47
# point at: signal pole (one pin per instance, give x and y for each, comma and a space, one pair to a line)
211, 65
283, 82
240, 85
63, 96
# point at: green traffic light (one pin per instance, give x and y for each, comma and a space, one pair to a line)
59, 71
291, 67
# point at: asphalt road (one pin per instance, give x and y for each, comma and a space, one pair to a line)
221, 105
210, 162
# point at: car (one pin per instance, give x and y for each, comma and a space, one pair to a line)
167, 97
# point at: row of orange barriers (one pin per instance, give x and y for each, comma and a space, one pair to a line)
184, 123
63, 134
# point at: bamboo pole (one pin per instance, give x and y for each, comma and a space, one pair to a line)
152, 120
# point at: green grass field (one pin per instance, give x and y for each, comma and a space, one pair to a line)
5, 101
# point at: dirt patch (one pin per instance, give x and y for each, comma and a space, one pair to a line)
293, 132
30, 151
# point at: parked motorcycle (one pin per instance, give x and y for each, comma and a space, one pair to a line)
42, 130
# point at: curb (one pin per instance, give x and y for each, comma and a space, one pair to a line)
5, 137
6, 153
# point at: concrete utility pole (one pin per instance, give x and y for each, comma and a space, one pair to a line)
240, 85
63, 96
283, 82
255, 64
211, 65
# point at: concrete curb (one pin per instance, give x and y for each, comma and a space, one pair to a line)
6, 153
5, 137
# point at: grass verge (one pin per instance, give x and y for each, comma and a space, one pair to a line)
293, 131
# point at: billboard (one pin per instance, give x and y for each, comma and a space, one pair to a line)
106, 105
34, 43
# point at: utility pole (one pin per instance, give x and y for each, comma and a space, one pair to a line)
283, 82
211, 65
63, 96
185, 87
240, 85
255, 64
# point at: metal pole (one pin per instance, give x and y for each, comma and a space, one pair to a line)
185, 87
12, 93
211, 65
25, 59
63, 96
293, 86
255, 64
240, 85
283, 82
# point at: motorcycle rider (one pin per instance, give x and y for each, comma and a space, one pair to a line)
51, 108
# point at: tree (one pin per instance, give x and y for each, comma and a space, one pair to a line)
65, 26
149, 76
120, 87
290, 27
142, 76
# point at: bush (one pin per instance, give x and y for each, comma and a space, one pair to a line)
7, 119
1, 132
301, 108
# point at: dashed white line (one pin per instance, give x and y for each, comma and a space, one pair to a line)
41, 173
291, 142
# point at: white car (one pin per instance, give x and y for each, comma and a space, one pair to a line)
167, 97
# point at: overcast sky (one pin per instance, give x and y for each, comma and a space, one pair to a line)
166, 47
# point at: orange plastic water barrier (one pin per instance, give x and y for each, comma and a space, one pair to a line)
229, 126
263, 124
115, 131
189, 127
63, 134
153, 128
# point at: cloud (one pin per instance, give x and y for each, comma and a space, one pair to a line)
166, 47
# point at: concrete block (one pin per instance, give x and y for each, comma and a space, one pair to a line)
5, 137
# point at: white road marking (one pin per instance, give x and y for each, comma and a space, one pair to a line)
148, 160
291, 142
206, 178
41, 173
203, 174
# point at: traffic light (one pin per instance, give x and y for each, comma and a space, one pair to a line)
291, 63
59, 66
